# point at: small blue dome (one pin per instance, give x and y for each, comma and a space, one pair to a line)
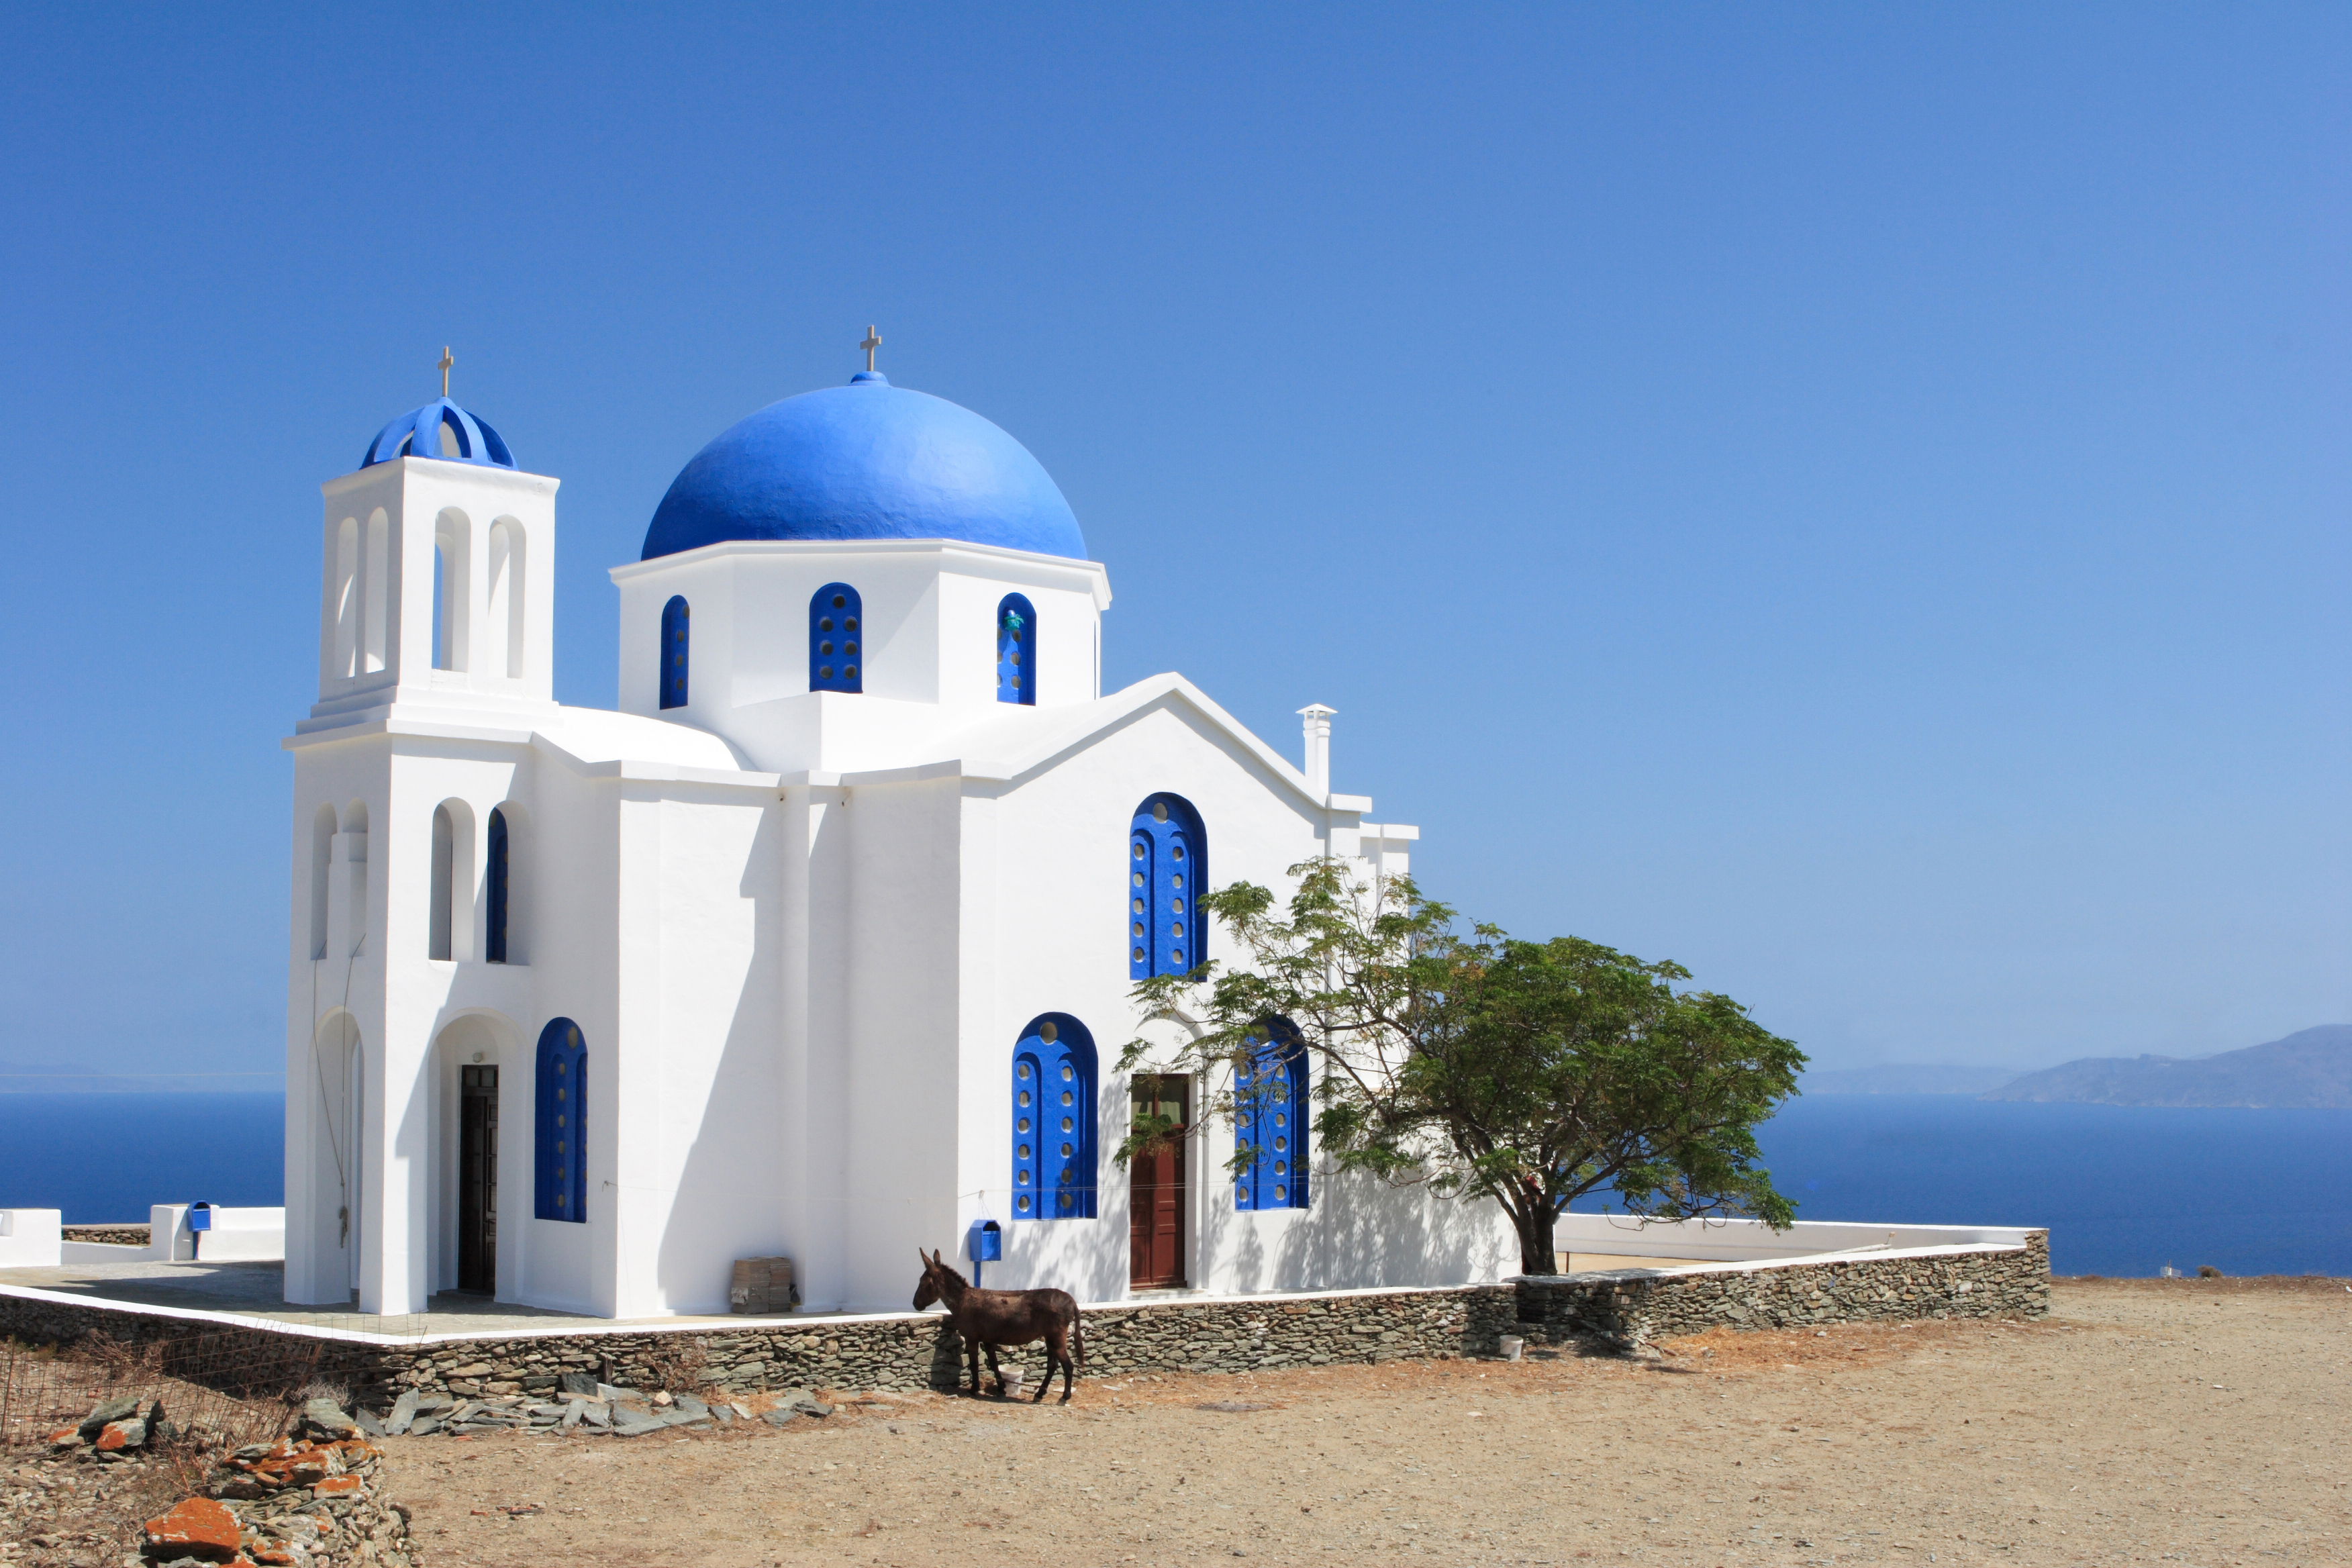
867, 460
440, 430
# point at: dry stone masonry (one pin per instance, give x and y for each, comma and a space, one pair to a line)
592, 1381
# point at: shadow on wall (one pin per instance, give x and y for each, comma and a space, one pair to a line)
716, 1213
1366, 1232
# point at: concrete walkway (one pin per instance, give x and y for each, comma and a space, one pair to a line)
258, 1290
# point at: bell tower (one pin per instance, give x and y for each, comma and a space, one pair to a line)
438, 576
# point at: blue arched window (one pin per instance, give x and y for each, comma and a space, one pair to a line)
1017, 651
1270, 1119
494, 946
559, 1169
1054, 1120
1168, 867
674, 649
834, 639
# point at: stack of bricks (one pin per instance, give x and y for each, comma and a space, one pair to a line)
762, 1287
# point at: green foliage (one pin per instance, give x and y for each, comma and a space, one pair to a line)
1533, 1073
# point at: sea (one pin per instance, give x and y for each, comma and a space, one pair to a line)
2125, 1191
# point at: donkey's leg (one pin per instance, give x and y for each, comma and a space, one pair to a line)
972, 1349
1057, 1356
995, 1371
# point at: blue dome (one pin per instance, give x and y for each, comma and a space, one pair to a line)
441, 430
867, 460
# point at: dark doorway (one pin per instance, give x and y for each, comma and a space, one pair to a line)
1157, 1198
477, 1180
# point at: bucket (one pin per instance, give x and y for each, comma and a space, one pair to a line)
1513, 1347
1013, 1377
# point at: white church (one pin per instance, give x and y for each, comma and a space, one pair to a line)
821, 946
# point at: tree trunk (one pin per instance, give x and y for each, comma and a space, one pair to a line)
1532, 1216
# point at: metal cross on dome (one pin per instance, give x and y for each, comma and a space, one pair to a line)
447, 361
873, 341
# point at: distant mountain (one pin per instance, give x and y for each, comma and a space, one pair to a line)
1904, 1078
2312, 1068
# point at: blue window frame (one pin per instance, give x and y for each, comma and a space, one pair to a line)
558, 1166
835, 639
494, 945
674, 649
1168, 865
1054, 1120
1017, 651
1270, 1120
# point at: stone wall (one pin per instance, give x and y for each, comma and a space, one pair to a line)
109, 1234
1623, 1310
1628, 1309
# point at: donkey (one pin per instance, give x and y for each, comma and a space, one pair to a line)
987, 1318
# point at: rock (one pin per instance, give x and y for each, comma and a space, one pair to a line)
781, 1415
572, 1414
338, 1486
104, 1414
199, 1528
722, 1414
404, 1411
664, 1398
118, 1436
816, 1407
424, 1427
597, 1413
367, 1423
330, 1418
580, 1383
692, 1406
634, 1424
612, 1393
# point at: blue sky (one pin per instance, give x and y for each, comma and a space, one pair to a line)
1853, 499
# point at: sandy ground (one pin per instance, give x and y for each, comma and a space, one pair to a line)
2189, 1421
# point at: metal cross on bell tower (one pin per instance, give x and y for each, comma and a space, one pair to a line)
873, 341
447, 361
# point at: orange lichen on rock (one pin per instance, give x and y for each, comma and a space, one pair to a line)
198, 1527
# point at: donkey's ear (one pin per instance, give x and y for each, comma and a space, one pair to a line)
920, 1259
935, 1258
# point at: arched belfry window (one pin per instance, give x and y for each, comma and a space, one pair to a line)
494, 945
1168, 867
1270, 1119
834, 639
1017, 651
559, 1146
674, 649
1054, 1120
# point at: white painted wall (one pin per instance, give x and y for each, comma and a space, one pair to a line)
29, 1238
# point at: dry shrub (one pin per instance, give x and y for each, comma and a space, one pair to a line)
677, 1363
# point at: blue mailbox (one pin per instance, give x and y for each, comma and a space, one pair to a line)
986, 1245
200, 1217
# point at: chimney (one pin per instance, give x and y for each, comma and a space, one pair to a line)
1318, 749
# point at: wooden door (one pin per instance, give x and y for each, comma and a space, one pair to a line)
1157, 1195
477, 1180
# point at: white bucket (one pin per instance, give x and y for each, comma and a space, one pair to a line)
1513, 1347
1013, 1377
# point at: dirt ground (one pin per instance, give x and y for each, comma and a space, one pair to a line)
2192, 1421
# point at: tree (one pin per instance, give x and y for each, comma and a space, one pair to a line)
1533, 1073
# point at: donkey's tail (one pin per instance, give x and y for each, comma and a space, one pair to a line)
1078, 1340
